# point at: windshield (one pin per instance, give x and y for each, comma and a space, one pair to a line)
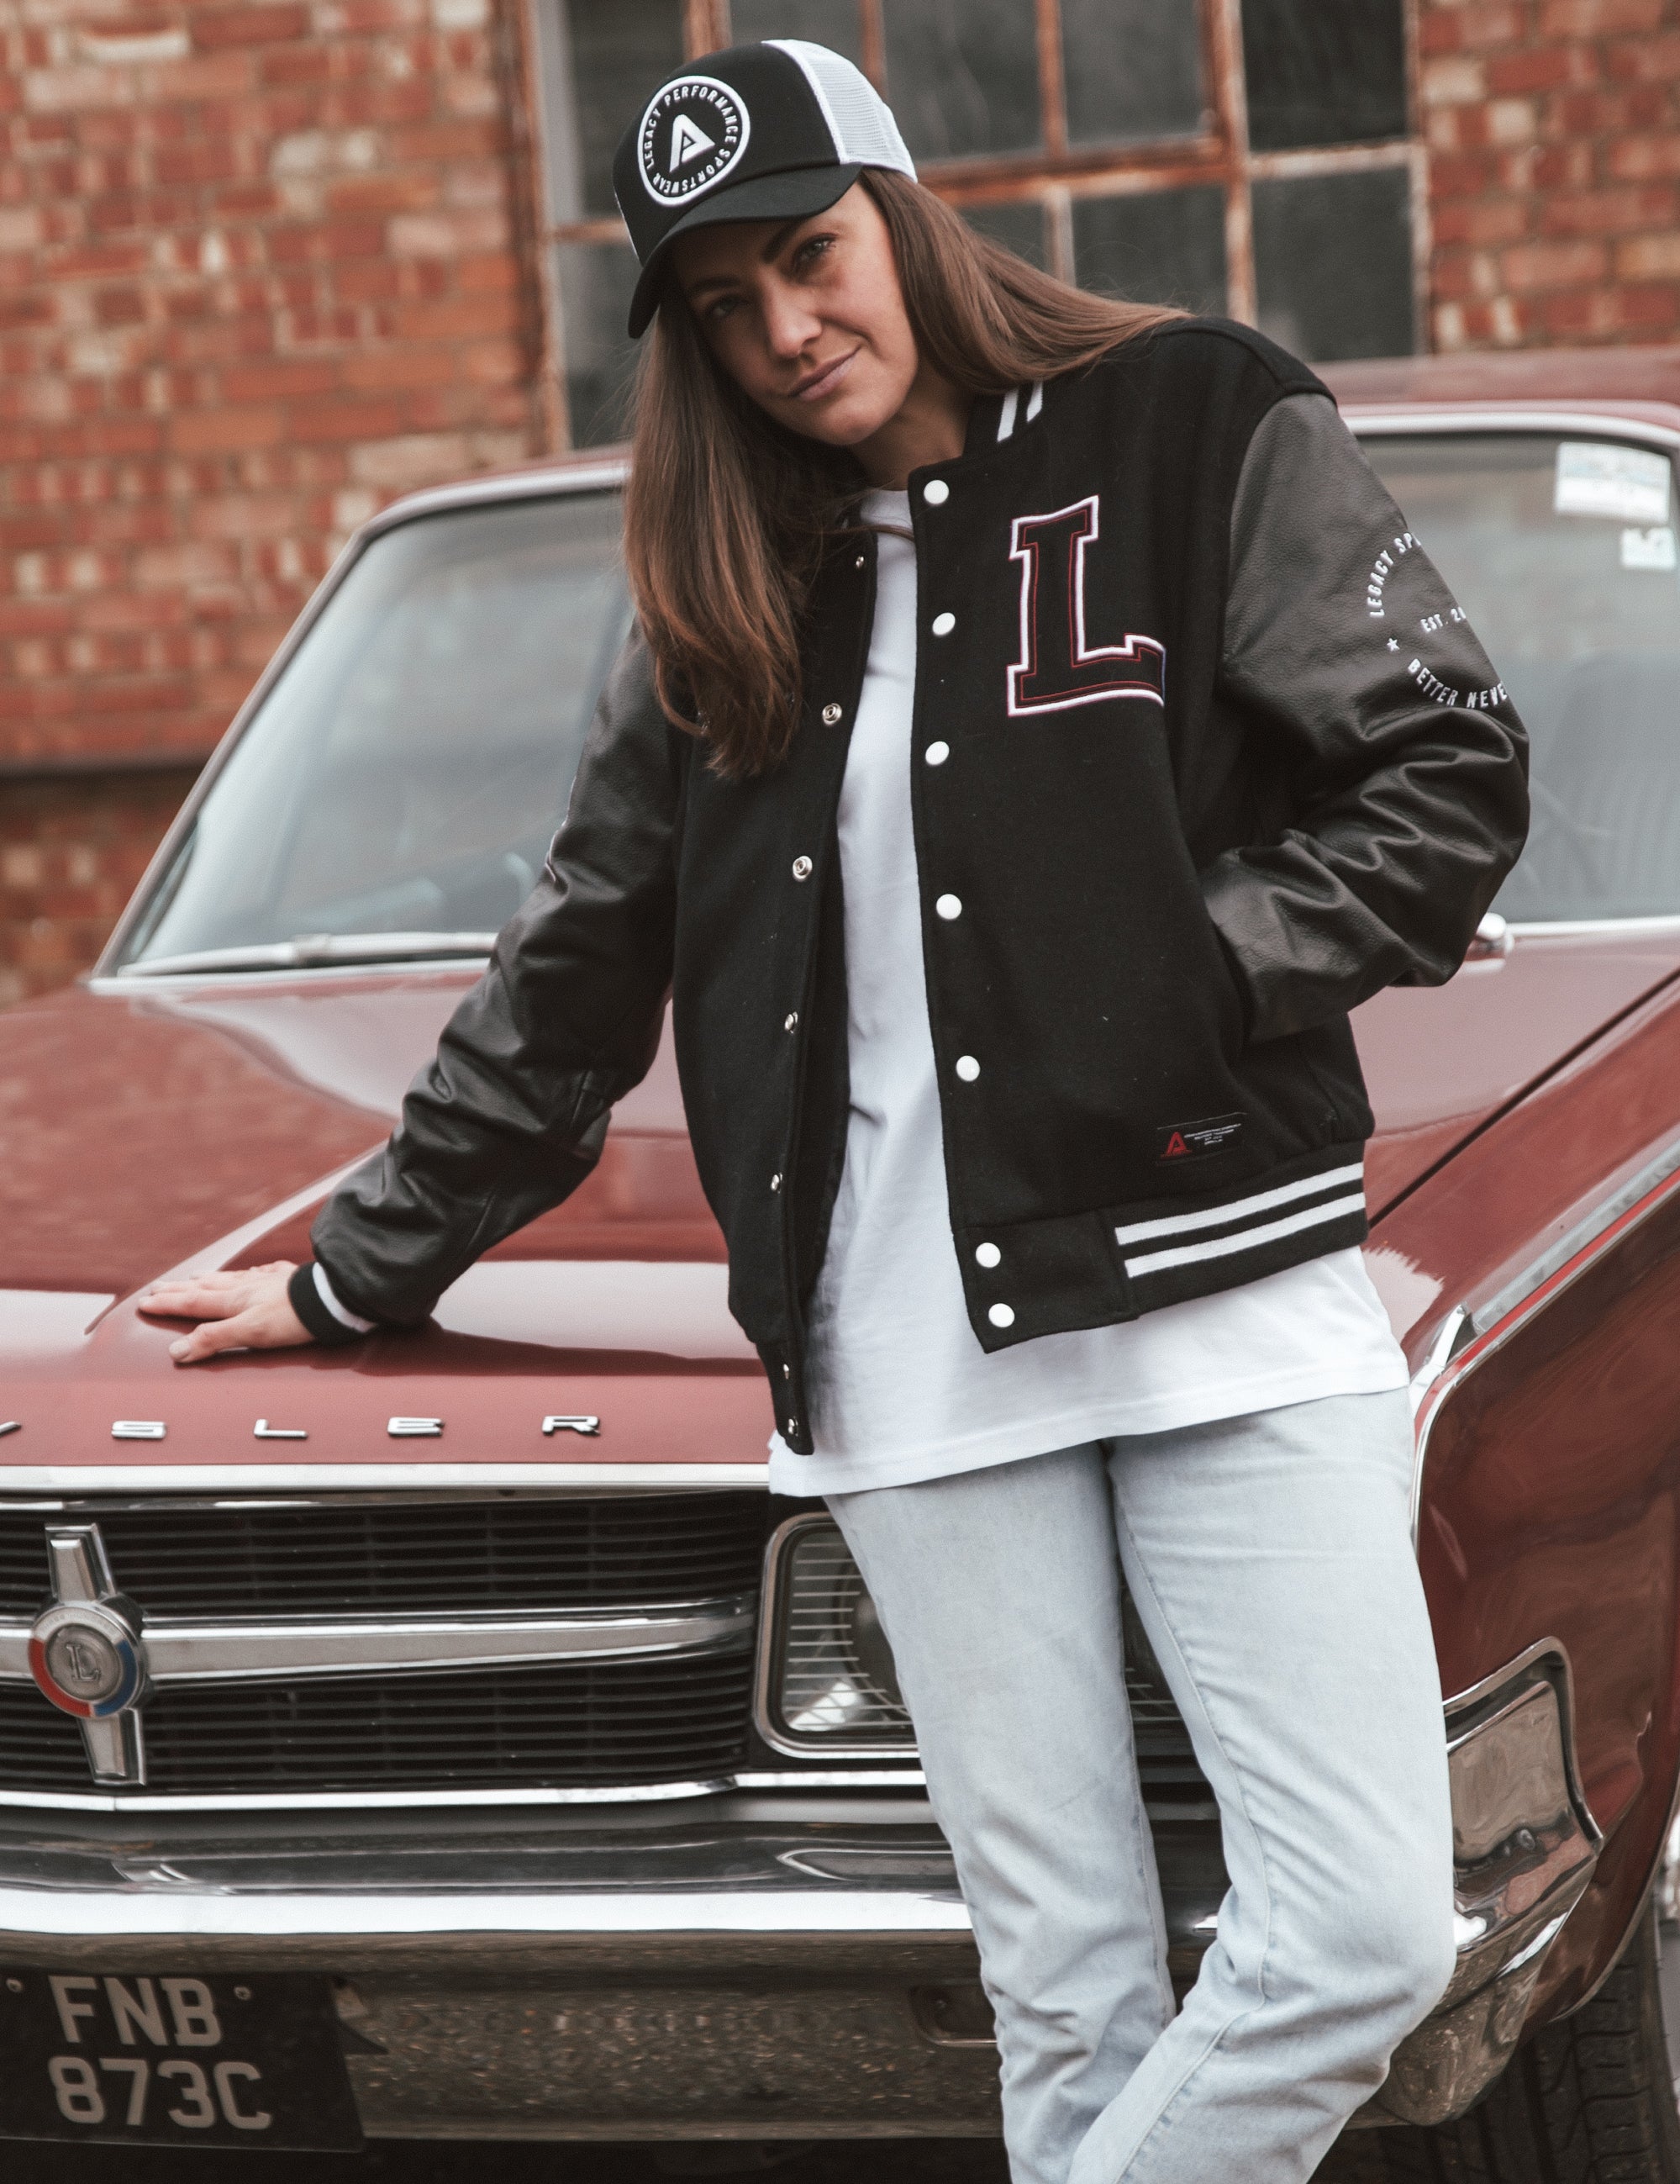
405, 775
398, 790
1562, 553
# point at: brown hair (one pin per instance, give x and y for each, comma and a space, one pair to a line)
727, 512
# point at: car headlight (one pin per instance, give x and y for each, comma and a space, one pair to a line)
827, 1681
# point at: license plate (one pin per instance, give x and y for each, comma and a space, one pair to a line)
167, 2059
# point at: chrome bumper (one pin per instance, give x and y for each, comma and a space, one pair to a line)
758, 1967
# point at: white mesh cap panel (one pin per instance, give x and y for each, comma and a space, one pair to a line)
865, 135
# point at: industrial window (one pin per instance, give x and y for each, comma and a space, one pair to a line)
1251, 157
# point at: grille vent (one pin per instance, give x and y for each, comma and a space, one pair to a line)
622, 1723
428, 1558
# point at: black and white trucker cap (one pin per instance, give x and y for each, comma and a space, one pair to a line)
772, 132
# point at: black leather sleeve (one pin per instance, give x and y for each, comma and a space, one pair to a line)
1407, 764
509, 1117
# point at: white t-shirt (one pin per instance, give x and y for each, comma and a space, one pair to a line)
898, 1387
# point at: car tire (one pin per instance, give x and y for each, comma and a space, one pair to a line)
1590, 2100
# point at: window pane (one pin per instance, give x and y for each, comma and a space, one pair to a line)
1580, 613
407, 770
962, 75
1162, 246
1019, 225
832, 23
1324, 71
1132, 68
1332, 263
596, 282
610, 58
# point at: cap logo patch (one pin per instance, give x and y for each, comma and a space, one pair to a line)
692, 136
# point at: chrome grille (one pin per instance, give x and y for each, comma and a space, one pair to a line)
624, 1724
600, 1643
446, 1557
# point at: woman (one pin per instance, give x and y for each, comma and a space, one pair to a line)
1042, 729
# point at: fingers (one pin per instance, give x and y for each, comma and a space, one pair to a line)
269, 1324
213, 1336
214, 1296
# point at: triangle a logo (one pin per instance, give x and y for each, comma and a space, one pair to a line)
688, 141
1175, 1147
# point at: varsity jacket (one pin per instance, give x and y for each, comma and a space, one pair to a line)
1207, 754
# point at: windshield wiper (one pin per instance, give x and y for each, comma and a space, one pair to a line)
310, 950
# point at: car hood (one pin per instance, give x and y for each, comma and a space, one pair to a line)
148, 1130
186, 1125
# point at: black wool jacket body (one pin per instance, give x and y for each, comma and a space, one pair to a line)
1207, 753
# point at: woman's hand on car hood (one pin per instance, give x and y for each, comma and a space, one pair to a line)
246, 1310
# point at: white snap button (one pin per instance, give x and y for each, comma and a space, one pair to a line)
802, 868
1001, 1315
831, 714
787, 1372
967, 1068
791, 1021
936, 754
988, 1254
858, 563
950, 906
775, 1182
793, 1424
935, 493
943, 624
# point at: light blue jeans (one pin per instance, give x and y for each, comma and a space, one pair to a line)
1272, 1567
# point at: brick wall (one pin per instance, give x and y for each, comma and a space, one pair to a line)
261, 268
258, 271
72, 849
1554, 129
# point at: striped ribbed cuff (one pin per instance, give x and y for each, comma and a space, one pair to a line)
310, 1295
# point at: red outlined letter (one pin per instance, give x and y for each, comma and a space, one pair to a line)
1057, 669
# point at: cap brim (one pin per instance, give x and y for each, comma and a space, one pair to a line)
793, 195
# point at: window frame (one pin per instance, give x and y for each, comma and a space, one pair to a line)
1052, 175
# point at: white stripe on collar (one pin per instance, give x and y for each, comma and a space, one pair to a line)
1035, 403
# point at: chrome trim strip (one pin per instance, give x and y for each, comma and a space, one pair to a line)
400, 1479
386, 1800
1564, 929
766, 1718
1466, 417
1510, 1308
189, 1912
608, 472
179, 1652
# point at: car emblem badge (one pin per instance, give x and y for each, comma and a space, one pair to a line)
86, 1655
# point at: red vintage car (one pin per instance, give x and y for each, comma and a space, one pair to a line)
451, 1736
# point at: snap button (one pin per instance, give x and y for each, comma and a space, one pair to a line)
1001, 1315
935, 493
950, 906
831, 714
803, 868
936, 754
791, 1021
775, 1182
967, 1068
988, 1254
793, 1426
943, 624
858, 563
787, 1372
